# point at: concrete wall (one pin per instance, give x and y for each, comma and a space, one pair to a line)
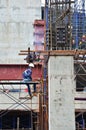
61, 93
16, 28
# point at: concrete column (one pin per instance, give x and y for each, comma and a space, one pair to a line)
61, 93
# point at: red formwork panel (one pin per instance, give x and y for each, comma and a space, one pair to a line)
14, 71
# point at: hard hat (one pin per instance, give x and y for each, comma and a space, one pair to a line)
31, 65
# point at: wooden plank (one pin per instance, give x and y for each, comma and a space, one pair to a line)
25, 98
56, 52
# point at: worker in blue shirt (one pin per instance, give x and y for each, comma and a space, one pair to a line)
27, 76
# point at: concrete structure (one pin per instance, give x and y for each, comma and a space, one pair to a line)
16, 28
61, 93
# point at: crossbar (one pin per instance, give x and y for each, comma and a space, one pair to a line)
14, 83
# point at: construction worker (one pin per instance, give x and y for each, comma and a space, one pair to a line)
27, 76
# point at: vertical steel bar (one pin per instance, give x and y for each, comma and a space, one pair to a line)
17, 123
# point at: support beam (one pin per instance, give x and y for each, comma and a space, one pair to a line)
16, 82
56, 52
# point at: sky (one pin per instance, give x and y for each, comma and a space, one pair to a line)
42, 1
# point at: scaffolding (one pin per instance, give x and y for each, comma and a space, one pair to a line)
17, 108
59, 31
79, 24
65, 24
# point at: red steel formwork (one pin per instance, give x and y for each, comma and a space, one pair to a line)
39, 34
14, 71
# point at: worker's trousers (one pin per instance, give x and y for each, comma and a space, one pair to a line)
28, 85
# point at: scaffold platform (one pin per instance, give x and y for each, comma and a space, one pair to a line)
18, 82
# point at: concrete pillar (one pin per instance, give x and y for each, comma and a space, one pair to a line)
61, 93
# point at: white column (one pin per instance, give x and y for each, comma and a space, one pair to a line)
61, 93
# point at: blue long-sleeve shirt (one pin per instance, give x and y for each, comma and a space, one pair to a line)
27, 74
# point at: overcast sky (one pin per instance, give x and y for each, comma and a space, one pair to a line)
43, 1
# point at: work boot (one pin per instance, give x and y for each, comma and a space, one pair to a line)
30, 97
34, 94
